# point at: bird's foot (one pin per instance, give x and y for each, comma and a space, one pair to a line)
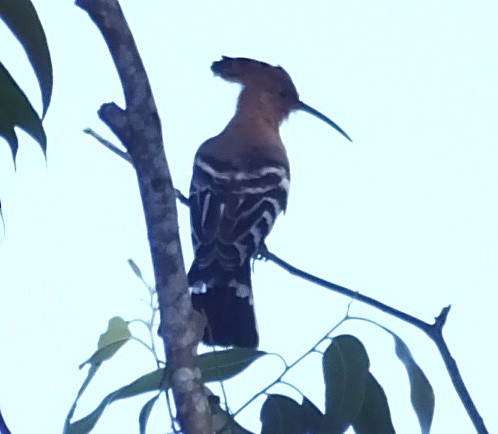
262, 253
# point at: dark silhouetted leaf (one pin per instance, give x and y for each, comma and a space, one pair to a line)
345, 369
145, 413
16, 110
313, 417
3, 425
22, 19
282, 415
222, 365
374, 417
421, 391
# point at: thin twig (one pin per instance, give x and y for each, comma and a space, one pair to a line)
125, 156
153, 308
111, 146
289, 367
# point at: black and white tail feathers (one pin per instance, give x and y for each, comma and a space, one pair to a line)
227, 303
232, 211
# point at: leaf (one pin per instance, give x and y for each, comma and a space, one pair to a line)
116, 335
22, 19
313, 417
134, 267
282, 415
214, 366
110, 342
150, 382
345, 369
143, 418
222, 365
16, 110
422, 394
421, 391
374, 417
91, 373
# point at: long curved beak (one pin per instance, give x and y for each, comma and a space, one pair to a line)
308, 109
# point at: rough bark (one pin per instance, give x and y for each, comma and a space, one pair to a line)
139, 129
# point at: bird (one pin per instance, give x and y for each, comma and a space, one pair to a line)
240, 184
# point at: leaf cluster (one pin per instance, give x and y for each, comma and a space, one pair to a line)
15, 108
353, 396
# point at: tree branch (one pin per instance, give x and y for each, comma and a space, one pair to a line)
265, 254
139, 129
434, 331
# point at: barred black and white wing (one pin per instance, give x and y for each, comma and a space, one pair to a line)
232, 212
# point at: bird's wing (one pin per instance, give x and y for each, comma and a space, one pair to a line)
233, 211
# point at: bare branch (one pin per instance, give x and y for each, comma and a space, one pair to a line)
265, 254
434, 331
139, 129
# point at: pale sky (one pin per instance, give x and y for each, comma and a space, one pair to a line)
406, 214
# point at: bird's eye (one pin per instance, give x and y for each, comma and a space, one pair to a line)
283, 94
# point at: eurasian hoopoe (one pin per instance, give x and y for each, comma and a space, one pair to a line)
239, 186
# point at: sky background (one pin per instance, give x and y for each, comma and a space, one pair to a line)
406, 214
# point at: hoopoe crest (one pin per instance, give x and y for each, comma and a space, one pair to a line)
240, 185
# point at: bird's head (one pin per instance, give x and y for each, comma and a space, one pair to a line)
272, 85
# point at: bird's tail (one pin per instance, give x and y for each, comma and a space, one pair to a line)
225, 297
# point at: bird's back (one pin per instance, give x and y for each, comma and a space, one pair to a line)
238, 189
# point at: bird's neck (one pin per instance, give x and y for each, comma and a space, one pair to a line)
258, 115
